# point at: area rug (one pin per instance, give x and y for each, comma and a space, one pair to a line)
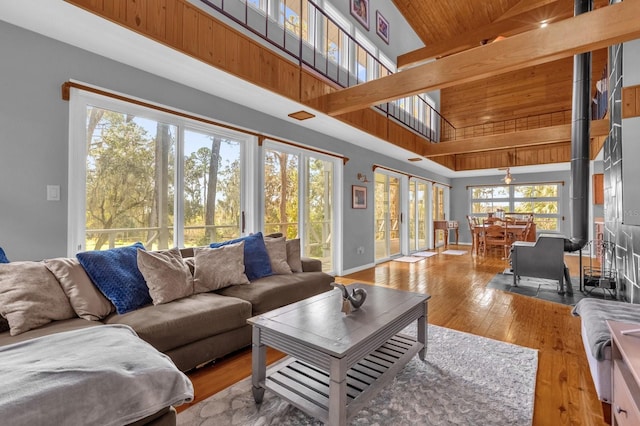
455, 252
408, 259
539, 288
466, 380
424, 253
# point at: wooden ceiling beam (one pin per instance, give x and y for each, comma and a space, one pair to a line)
559, 40
540, 136
515, 22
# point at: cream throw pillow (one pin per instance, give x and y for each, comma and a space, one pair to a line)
88, 302
216, 268
30, 296
293, 255
277, 251
166, 274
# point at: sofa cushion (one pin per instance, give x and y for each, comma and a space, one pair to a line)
86, 300
293, 255
277, 250
115, 272
275, 291
30, 296
256, 258
168, 277
216, 268
185, 320
3, 256
50, 328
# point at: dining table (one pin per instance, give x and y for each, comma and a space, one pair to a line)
515, 229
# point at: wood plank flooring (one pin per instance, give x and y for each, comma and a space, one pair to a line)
564, 395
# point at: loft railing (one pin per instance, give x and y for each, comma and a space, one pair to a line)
529, 122
305, 32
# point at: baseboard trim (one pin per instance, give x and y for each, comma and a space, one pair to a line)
358, 269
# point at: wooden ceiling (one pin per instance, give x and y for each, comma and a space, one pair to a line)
533, 91
540, 89
463, 24
543, 90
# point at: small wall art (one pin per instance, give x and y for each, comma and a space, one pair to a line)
359, 197
382, 27
360, 11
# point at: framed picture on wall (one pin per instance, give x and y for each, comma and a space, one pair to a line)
359, 197
360, 11
382, 27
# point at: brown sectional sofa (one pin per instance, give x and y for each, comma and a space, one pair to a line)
200, 328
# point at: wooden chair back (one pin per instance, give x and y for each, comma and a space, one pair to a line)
495, 235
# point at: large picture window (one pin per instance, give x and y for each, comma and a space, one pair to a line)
137, 174
541, 199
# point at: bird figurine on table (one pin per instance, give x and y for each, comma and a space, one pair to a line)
351, 301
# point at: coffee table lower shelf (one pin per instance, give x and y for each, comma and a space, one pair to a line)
307, 387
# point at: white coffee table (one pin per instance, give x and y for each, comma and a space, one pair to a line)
337, 362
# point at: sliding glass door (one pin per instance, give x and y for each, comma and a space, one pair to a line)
387, 216
438, 211
311, 201
418, 211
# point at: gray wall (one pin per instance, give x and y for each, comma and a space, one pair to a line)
34, 140
459, 201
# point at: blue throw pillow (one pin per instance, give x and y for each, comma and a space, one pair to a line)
115, 272
3, 257
256, 258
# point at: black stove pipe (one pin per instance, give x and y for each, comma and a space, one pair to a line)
581, 111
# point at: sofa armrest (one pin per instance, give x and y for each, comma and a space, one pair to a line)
311, 265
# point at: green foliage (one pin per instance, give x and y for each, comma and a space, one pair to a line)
120, 175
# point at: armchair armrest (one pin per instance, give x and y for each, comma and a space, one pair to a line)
311, 265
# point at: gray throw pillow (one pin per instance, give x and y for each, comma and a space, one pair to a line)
277, 251
216, 268
166, 274
88, 302
293, 255
30, 296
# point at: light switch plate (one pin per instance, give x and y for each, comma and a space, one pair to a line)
53, 192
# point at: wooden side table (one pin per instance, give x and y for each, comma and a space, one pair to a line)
625, 379
446, 226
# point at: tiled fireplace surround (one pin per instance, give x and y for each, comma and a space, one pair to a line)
625, 237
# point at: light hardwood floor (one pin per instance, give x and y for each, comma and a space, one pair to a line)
564, 395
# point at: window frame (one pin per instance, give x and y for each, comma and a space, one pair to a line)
303, 154
511, 200
76, 222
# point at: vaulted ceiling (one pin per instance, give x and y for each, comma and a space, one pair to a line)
457, 25
461, 24
542, 90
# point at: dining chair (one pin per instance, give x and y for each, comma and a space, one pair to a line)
524, 235
494, 235
472, 225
